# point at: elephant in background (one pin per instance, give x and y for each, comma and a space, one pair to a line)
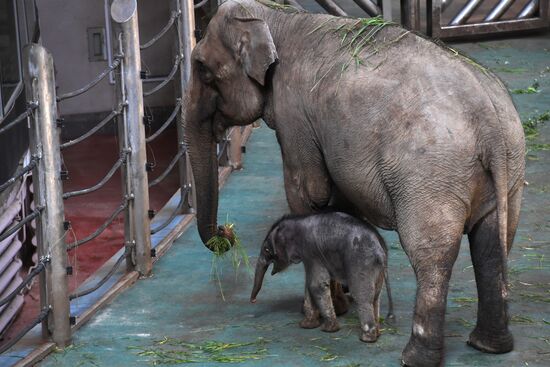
378, 122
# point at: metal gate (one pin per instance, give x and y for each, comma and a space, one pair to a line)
466, 18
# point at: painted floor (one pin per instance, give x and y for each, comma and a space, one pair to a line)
151, 323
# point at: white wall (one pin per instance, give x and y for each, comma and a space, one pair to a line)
64, 25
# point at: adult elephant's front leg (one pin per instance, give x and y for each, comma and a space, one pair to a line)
432, 245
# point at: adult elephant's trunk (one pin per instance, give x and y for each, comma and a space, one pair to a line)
261, 268
202, 152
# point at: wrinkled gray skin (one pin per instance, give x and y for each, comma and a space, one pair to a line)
331, 246
416, 140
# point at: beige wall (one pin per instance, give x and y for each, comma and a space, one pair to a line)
64, 25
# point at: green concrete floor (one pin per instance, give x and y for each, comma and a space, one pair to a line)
181, 302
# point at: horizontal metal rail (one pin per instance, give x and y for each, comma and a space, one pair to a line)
29, 167
166, 80
100, 230
8, 232
101, 282
222, 148
173, 215
101, 183
174, 113
91, 84
11, 102
201, 4
41, 317
18, 119
28, 279
173, 16
93, 130
170, 167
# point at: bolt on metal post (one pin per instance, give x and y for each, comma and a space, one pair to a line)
44, 143
125, 13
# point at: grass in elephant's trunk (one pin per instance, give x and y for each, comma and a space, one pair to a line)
225, 244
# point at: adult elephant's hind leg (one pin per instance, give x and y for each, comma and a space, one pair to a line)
491, 334
432, 243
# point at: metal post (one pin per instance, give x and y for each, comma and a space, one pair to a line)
124, 12
235, 148
410, 14
185, 43
44, 143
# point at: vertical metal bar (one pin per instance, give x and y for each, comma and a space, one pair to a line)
235, 152
108, 39
387, 10
125, 13
44, 143
410, 14
185, 42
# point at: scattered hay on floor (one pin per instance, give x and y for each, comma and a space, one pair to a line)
178, 351
532, 89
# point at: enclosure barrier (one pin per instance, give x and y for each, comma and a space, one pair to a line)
45, 163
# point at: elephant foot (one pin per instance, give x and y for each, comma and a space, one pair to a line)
496, 343
416, 355
330, 326
310, 323
369, 336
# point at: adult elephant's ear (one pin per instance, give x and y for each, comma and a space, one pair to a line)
254, 49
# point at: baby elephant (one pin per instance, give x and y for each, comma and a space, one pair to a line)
333, 246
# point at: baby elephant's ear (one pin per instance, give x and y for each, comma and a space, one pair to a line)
254, 47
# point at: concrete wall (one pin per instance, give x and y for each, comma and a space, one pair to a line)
64, 25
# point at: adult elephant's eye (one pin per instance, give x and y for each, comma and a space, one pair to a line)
205, 74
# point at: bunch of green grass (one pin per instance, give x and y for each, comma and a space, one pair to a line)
177, 351
227, 245
532, 124
532, 89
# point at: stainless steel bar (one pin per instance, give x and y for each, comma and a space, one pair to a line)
167, 123
91, 84
168, 169
168, 78
44, 143
445, 4
332, 8
170, 218
466, 12
162, 32
93, 130
101, 282
43, 315
108, 37
186, 42
529, 10
101, 183
410, 14
34, 272
498, 11
125, 13
16, 227
17, 120
368, 6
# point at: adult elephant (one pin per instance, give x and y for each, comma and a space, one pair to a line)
408, 134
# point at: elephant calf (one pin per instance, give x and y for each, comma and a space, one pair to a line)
332, 246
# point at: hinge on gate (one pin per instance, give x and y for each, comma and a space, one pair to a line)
60, 121
151, 213
69, 270
243, 149
143, 74
149, 167
153, 252
72, 320
64, 175
67, 225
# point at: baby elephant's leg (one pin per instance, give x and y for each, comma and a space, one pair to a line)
363, 289
311, 313
318, 282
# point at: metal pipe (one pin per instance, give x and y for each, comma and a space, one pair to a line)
162, 32
498, 11
125, 13
186, 42
368, 6
93, 130
410, 14
332, 8
167, 123
44, 143
166, 80
466, 12
91, 84
445, 4
529, 10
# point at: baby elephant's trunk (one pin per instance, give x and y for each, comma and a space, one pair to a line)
261, 268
